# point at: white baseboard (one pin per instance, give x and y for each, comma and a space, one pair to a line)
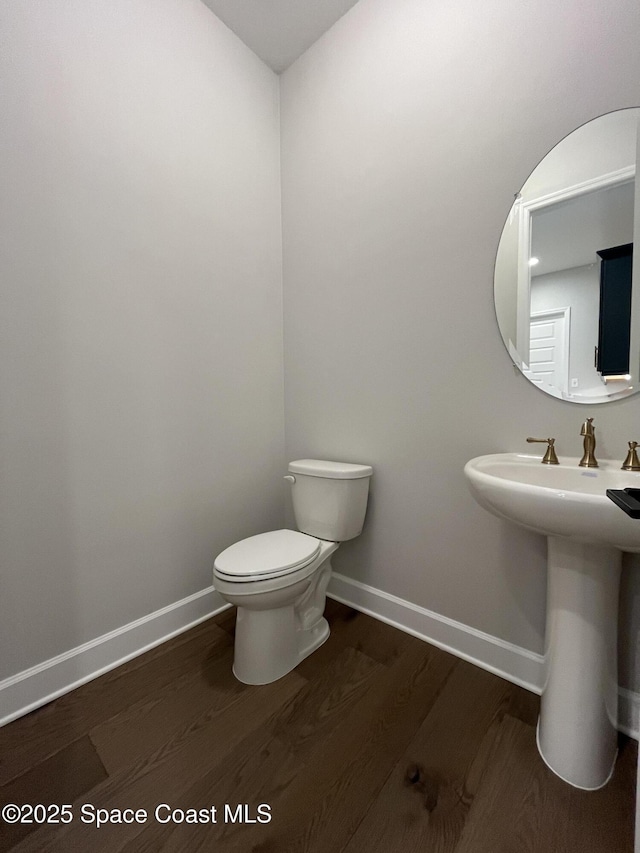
511, 662
38, 685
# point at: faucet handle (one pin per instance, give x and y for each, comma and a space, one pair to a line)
549, 457
632, 463
588, 428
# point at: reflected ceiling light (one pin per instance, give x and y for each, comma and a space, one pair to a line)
534, 261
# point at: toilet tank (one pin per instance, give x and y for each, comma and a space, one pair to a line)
329, 498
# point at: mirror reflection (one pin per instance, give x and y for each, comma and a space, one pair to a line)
566, 294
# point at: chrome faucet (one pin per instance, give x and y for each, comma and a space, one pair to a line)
588, 458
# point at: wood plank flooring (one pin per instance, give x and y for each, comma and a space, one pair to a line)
378, 742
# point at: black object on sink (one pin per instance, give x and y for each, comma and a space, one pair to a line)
627, 499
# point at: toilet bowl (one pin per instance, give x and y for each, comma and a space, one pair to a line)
280, 604
278, 580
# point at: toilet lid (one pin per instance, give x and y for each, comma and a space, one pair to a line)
267, 555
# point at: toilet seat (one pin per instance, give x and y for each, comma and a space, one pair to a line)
268, 555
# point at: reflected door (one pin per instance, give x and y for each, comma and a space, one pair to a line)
548, 356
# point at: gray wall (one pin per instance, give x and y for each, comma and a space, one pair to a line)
141, 362
406, 132
141, 356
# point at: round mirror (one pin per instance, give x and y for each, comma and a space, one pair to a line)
567, 296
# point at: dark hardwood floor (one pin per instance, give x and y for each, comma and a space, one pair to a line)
378, 742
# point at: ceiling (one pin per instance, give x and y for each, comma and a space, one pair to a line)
279, 31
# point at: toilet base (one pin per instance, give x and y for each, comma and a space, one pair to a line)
314, 638
279, 623
269, 644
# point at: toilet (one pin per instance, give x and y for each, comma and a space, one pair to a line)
278, 580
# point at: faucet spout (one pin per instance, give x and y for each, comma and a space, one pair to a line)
589, 445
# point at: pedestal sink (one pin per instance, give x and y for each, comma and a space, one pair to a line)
586, 534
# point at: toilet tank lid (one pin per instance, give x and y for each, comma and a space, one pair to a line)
331, 470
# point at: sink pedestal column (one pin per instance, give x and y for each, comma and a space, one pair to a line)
577, 736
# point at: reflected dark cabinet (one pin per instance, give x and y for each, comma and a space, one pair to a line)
614, 329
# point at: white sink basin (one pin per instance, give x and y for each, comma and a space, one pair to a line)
556, 500
586, 534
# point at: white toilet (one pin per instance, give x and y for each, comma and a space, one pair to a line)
278, 580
